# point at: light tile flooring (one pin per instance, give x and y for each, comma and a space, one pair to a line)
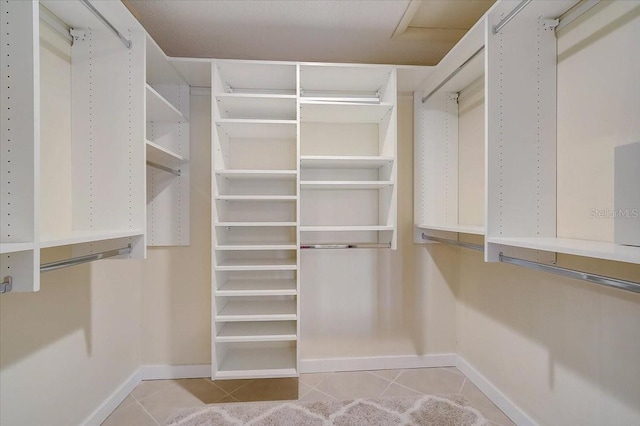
151, 402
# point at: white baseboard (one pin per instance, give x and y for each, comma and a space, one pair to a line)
160, 372
327, 365
111, 403
515, 413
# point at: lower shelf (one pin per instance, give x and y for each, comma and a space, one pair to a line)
258, 310
276, 331
244, 362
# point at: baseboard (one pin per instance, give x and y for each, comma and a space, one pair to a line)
111, 403
391, 362
160, 372
515, 413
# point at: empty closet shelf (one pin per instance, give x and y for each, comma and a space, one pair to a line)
256, 197
343, 162
257, 362
343, 112
345, 184
321, 228
160, 110
258, 129
258, 287
86, 237
255, 224
257, 265
163, 156
250, 331
15, 247
465, 229
263, 310
255, 246
257, 106
257, 174
597, 249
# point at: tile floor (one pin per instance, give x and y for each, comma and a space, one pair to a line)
151, 402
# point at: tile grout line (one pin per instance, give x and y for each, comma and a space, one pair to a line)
390, 382
148, 413
464, 382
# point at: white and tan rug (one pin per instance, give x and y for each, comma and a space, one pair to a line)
444, 410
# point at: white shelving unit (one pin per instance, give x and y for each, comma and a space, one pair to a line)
70, 174
255, 240
167, 97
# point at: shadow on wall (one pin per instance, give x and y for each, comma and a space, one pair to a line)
30, 322
540, 328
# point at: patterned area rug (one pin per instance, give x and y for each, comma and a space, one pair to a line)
448, 410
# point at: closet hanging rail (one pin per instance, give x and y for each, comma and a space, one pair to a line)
165, 168
105, 21
575, 12
52, 266
510, 16
346, 246
56, 23
569, 273
453, 74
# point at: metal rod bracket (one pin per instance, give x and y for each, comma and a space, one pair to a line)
6, 285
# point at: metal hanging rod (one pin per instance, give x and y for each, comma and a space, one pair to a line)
105, 21
56, 23
453, 74
346, 246
575, 12
52, 266
557, 270
510, 16
165, 168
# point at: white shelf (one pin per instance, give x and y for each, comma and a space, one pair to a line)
256, 197
255, 246
257, 265
162, 156
159, 69
338, 78
596, 249
242, 76
264, 310
86, 237
257, 174
258, 129
465, 229
15, 247
258, 287
251, 224
159, 110
343, 162
345, 184
257, 106
321, 228
342, 112
257, 363
276, 331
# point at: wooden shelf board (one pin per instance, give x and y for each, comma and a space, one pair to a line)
160, 110
257, 174
465, 229
342, 112
86, 237
257, 106
257, 265
263, 310
162, 156
587, 248
257, 362
250, 331
359, 228
344, 162
345, 184
258, 129
258, 287
15, 247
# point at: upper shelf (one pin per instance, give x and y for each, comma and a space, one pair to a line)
465, 229
587, 248
257, 174
345, 184
251, 77
82, 237
343, 112
350, 78
264, 129
162, 156
257, 106
159, 69
160, 110
343, 162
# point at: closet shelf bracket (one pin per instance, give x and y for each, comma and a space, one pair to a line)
52, 266
557, 270
6, 285
105, 21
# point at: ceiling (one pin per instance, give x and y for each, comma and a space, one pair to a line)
412, 32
